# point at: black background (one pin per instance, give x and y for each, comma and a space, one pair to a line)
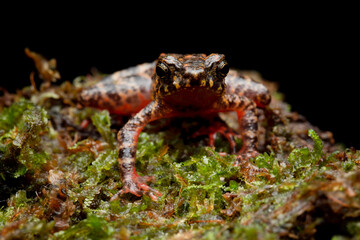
310, 51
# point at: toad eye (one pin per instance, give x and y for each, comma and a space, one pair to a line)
223, 69
162, 70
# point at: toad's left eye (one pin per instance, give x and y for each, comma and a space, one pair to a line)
162, 70
223, 69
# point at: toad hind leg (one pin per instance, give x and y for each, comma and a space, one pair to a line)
127, 138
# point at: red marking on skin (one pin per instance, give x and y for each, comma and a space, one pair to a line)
84, 123
127, 109
217, 127
243, 148
138, 131
134, 174
260, 105
192, 97
240, 115
212, 139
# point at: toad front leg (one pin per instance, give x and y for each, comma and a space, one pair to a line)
128, 138
246, 111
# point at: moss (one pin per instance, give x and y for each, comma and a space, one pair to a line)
91, 228
354, 228
23, 124
10, 116
102, 122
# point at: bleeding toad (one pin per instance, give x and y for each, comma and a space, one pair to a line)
176, 85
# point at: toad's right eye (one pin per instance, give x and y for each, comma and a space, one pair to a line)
162, 70
223, 69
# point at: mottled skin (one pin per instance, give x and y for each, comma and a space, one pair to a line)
180, 86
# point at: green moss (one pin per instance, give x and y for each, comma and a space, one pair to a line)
304, 161
16, 202
348, 165
318, 145
197, 182
94, 178
10, 116
102, 122
354, 228
233, 230
80, 161
19, 199
93, 227
252, 232
22, 126
193, 180
5, 216
101, 166
32, 229
269, 162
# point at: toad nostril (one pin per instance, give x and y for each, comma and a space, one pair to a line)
194, 72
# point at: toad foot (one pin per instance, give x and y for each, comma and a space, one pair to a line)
137, 186
248, 169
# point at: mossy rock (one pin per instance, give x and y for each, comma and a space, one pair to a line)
58, 176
